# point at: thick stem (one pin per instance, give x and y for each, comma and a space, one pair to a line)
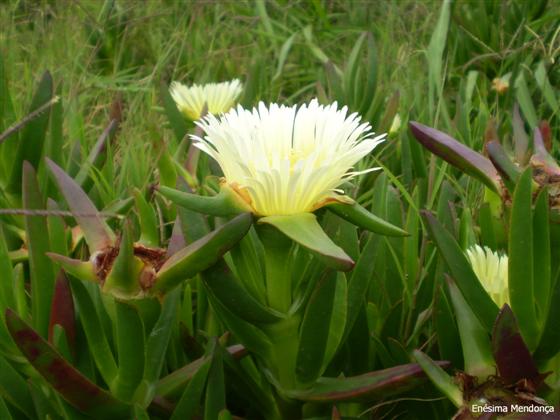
284, 336
277, 250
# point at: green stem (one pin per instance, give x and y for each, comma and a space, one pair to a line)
284, 336
277, 250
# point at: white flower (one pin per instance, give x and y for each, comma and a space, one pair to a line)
287, 160
217, 97
491, 269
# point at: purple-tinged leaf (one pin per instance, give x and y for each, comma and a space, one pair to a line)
366, 387
62, 310
177, 239
75, 388
544, 128
98, 235
545, 167
457, 154
508, 170
510, 351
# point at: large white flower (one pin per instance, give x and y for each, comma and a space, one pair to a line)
216, 97
287, 160
491, 269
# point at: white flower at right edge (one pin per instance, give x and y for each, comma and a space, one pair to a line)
491, 268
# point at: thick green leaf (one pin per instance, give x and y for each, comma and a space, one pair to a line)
315, 328
215, 398
190, 400
193, 224
82, 270
542, 256
4, 411
224, 287
338, 319
457, 154
304, 229
359, 282
123, 281
98, 235
249, 386
158, 340
41, 268
131, 351
96, 339
359, 216
252, 337
474, 338
249, 266
513, 358
71, 384
148, 221
520, 261
6, 291
14, 389
461, 271
440, 378
367, 387
176, 381
226, 203
549, 344
201, 254
32, 139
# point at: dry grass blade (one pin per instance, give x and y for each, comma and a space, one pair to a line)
27, 119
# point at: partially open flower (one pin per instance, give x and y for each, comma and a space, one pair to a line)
287, 160
491, 269
215, 97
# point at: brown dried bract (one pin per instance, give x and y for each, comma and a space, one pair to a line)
153, 258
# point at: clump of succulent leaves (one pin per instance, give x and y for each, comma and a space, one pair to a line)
130, 270
499, 370
501, 165
507, 351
